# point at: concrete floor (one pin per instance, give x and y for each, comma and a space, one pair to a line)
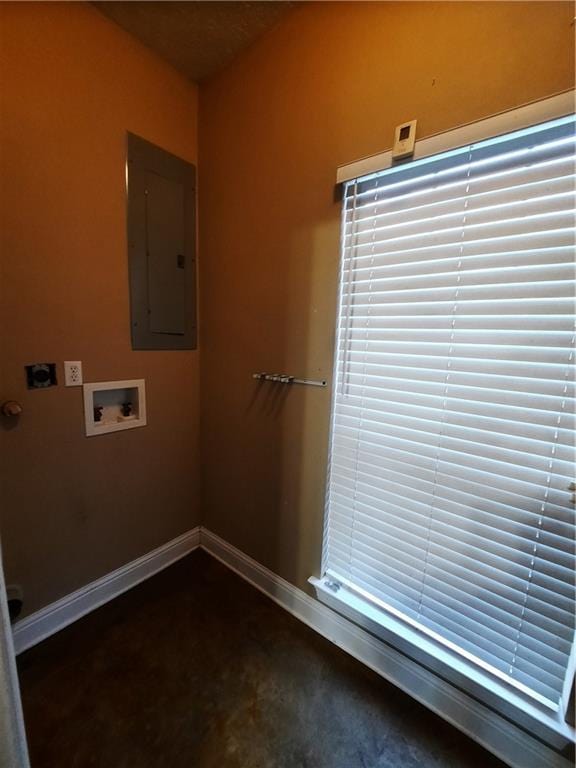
196, 669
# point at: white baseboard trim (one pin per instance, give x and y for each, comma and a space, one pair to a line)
54, 617
508, 742
511, 744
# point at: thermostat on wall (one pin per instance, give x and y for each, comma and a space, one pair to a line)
404, 140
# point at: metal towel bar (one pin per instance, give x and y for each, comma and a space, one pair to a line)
284, 378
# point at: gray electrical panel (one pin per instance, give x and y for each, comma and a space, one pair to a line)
161, 247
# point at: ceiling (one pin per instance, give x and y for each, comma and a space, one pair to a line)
197, 38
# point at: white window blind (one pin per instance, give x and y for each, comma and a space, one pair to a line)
449, 498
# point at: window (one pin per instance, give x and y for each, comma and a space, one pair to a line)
450, 497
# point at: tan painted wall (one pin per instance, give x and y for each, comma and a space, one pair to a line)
75, 508
324, 88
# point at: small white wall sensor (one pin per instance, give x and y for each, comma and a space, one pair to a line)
404, 140
72, 373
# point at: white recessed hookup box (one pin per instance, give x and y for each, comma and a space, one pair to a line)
112, 406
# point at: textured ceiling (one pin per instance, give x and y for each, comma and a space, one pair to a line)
198, 38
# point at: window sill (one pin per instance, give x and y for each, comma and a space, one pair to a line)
450, 670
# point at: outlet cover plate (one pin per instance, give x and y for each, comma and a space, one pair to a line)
73, 373
41, 375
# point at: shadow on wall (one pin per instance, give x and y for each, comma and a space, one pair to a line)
264, 490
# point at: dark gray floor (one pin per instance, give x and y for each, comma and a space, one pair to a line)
196, 669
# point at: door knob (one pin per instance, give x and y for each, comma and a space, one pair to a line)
11, 408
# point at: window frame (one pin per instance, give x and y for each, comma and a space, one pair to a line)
549, 726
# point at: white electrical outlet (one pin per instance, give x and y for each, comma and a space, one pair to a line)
72, 373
